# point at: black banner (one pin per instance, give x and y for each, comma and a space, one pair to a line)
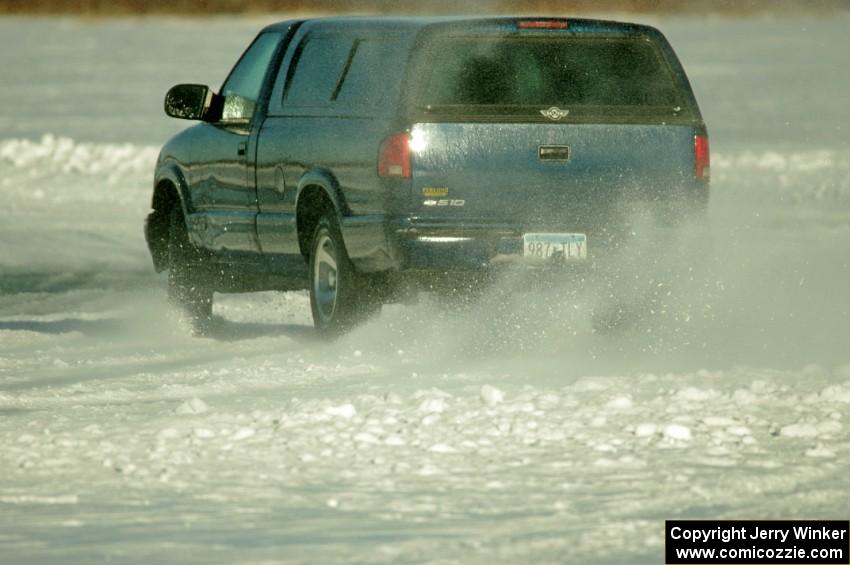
758, 542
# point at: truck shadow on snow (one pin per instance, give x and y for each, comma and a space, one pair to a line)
87, 327
114, 303
59, 282
225, 330
220, 330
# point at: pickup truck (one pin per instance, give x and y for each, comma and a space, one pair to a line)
351, 156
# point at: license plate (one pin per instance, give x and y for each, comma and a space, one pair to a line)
542, 246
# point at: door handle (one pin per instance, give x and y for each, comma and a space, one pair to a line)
242, 148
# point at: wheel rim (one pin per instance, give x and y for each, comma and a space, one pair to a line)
325, 277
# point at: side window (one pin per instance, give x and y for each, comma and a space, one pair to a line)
242, 88
318, 71
365, 85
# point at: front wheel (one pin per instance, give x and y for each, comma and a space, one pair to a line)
339, 298
188, 287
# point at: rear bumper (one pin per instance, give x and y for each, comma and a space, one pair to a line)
439, 246
411, 243
445, 253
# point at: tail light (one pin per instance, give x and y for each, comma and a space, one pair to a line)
702, 157
394, 156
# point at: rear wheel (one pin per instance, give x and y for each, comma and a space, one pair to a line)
339, 296
188, 287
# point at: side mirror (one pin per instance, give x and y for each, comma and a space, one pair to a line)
188, 101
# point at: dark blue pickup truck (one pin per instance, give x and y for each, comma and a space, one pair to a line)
351, 155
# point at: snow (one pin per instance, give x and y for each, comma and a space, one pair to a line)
677, 432
491, 395
508, 431
193, 406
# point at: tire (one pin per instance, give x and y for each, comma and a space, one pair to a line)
188, 287
339, 296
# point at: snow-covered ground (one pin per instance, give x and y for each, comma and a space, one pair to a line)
505, 432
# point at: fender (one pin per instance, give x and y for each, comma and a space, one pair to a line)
156, 223
363, 235
324, 179
170, 171
329, 187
